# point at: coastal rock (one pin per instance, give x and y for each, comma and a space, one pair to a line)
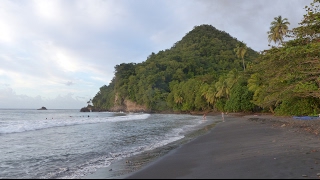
134, 107
84, 109
42, 108
90, 109
126, 106
129, 106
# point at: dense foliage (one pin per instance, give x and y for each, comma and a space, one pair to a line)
186, 77
208, 70
287, 79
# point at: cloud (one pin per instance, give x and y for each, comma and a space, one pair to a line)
9, 99
69, 83
247, 20
54, 50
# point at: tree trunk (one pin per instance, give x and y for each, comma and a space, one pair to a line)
244, 68
271, 109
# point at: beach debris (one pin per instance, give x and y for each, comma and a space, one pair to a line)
303, 175
318, 174
283, 125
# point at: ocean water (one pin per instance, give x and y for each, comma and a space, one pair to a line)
70, 144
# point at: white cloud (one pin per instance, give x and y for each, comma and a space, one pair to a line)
9, 99
49, 10
98, 79
247, 20
54, 50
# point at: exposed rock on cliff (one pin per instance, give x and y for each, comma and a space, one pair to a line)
128, 106
134, 107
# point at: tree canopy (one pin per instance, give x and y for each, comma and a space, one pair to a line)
278, 29
208, 70
289, 76
182, 78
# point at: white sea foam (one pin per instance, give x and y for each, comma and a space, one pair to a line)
83, 150
81, 170
37, 124
104, 161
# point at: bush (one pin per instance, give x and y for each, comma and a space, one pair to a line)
298, 107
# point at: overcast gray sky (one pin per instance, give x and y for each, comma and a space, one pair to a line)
58, 53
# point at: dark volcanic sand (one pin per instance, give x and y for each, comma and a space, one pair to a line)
239, 148
263, 147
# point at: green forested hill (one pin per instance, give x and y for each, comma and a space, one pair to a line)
208, 70
165, 79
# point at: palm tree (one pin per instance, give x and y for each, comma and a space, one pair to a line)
241, 50
232, 78
278, 29
222, 89
208, 92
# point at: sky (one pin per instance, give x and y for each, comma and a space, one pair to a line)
58, 53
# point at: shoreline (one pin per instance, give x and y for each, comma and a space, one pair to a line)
121, 168
244, 146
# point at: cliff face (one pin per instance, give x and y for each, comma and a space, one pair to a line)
129, 106
134, 107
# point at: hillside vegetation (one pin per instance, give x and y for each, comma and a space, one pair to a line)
208, 70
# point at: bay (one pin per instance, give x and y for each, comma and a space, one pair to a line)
67, 143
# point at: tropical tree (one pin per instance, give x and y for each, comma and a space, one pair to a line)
208, 91
240, 98
241, 50
170, 79
89, 102
232, 77
309, 30
286, 80
222, 88
278, 29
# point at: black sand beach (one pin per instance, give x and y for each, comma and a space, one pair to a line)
259, 147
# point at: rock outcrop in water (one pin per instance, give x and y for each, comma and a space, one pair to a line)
42, 108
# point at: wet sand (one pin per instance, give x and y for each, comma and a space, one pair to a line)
260, 147
241, 148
